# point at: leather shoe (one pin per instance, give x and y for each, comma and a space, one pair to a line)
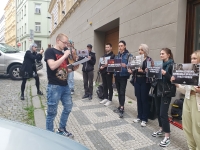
85, 96
22, 97
90, 97
39, 92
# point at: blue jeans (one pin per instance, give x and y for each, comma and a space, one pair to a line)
54, 94
142, 93
70, 80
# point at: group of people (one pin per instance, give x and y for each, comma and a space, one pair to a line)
59, 80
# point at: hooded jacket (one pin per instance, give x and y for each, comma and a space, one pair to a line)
89, 65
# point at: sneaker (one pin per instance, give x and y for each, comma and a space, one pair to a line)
116, 110
136, 120
158, 133
22, 97
72, 91
39, 92
121, 113
103, 101
85, 96
107, 103
143, 124
165, 142
65, 133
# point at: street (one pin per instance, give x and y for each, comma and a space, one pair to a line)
92, 124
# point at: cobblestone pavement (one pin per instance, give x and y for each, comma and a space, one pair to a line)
11, 107
99, 128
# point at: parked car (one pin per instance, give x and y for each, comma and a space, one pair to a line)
18, 136
11, 60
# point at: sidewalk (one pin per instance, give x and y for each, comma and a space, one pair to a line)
99, 128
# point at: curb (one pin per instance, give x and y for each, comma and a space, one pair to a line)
39, 113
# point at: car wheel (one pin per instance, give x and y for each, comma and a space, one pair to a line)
14, 72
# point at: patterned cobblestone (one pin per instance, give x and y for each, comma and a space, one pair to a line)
11, 107
99, 128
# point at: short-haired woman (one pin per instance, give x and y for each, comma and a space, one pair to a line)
28, 69
142, 87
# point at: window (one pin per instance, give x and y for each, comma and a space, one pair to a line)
25, 28
37, 26
25, 10
22, 30
37, 8
22, 13
38, 45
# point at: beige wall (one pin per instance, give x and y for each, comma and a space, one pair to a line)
158, 23
10, 23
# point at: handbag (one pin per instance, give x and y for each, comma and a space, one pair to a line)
166, 90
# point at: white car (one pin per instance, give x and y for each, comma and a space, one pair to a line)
11, 60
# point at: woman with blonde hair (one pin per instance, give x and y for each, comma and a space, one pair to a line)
191, 109
142, 87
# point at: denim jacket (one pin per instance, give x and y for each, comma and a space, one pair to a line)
124, 74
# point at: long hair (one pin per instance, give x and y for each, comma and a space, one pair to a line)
197, 52
168, 51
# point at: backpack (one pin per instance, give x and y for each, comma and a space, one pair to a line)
177, 109
99, 91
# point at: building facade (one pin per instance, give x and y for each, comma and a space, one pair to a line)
33, 24
2, 29
158, 23
10, 23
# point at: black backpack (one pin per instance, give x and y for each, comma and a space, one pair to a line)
99, 91
177, 109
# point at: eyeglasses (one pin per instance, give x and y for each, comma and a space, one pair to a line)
65, 42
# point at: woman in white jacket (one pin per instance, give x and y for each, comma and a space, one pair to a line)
191, 109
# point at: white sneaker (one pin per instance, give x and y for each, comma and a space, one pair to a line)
107, 103
103, 101
165, 142
137, 120
143, 123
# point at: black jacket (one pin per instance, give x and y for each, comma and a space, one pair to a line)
89, 65
104, 70
164, 87
29, 65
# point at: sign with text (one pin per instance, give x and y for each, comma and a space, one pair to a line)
135, 62
187, 74
103, 60
82, 53
114, 65
154, 69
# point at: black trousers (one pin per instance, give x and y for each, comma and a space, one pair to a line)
107, 85
23, 85
162, 107
121, 89
88, 82
142, 93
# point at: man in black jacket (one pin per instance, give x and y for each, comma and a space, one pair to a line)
88, 73
107, 77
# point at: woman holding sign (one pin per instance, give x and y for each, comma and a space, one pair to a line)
142, 87
164, 91
191, 109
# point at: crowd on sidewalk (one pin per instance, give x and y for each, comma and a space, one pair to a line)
61, 86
